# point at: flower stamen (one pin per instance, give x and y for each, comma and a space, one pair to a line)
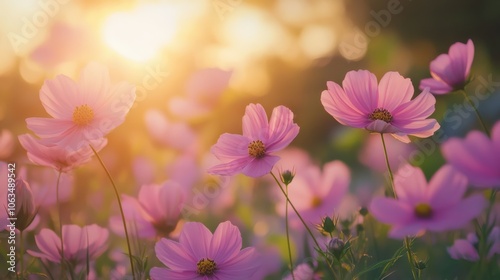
83, 115
381, 114
423, 210
257, 149
206, 267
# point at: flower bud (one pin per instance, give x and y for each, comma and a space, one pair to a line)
328, 225
336, 247
287, 177
24, 204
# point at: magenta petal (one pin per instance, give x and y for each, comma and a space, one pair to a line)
232, 167
226, 242
245, 262
157, 273
50, 244
381, 127
173, 255
435, 86
336, 178
462, 249
361, 88
410, 184
393, 90
461, 56
231, 146
411, 229
195, 238
446, 187
441, 69
459, 215
282, 130
419, 108
390, 211
260, 167
255, 123
338, 106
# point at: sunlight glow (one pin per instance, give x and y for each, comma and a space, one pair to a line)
140, 34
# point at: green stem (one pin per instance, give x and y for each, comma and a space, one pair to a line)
391, 176
288, 235
407, 242
59, 210
303, 222
481, 121
121, 210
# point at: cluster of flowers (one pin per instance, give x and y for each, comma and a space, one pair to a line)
85, 112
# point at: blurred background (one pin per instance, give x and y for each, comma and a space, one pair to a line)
273, 52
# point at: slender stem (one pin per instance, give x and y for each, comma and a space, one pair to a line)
406, 241
409, 254
481, 121
121, 210
288, 235
391, 176
59, 210
303, 222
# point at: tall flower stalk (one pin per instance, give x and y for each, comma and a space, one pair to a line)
129, 248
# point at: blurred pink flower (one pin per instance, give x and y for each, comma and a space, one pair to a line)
317, 194
251, 153
466, 248
386, 109
43, 183
450, 71
203, 91
372, 153
175, 135
65, 42
437, 206
6, 143
199, 254
303, 271
476, 156
156, 212
44, 152
78, 243
84, 110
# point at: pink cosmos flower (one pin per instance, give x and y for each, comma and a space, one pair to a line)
317, 194
203, 91
303, 272
156, 211
387, 108
199, 254
466, 248
78, 242
437, 206
44, 152
476, 156
83, 110
176, 135
251, 153
450, 71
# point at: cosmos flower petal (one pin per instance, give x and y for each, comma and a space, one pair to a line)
411, 229
463, 249
461, 56
446, 187
282, 130
410, 184
232, 167
94, 84
226, 242
174, 255
390, 211
45, 127
49, 243
437, 86
231, 146
335, 105
195, 238
59, 106
419, 108
459, 215
255, 123
361, 88
157, 273
260, 167
394, 90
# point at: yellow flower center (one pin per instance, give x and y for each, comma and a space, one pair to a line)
423, 210
257, 149
316, 201
381, 114
83, 115
206, 267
